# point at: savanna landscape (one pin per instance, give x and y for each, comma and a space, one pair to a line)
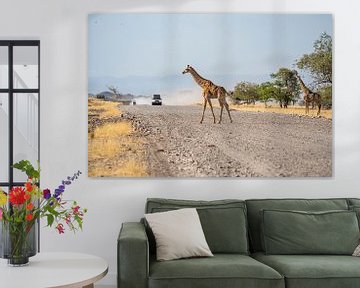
277, 125
170, 142
113, 147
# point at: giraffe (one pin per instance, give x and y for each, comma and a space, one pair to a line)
309, 96
210, 91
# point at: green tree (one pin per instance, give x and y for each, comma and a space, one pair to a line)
246, 91
319, 63
288, 89
326, 96
268, 91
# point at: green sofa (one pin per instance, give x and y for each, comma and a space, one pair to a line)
237, 233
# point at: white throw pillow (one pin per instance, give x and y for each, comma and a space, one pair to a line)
178, 234
357, 251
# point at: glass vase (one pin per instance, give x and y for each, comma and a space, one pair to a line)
18, 242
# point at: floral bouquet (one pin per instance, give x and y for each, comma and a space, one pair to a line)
23, 206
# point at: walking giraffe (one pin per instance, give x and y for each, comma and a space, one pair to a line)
309, 96
210, 91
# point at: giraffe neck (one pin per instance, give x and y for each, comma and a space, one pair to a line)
202, 82
303, 87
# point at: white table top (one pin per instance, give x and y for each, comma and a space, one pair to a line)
45, 270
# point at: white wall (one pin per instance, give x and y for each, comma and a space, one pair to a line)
3, 140
62, 28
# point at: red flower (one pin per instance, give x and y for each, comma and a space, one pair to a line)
29, 217
29, 186
60, 228
68, 219
29, 206
27, 196
75, 209
17, 196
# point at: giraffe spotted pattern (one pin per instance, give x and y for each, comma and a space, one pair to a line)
210, 91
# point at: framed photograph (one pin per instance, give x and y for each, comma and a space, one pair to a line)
210, 95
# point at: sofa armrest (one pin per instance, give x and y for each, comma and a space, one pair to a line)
133, 256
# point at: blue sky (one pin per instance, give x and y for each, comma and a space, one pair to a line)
140, 53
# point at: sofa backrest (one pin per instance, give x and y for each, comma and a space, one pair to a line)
353, 202
256, 205
223, 221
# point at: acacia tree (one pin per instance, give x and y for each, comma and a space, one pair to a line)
246, 91
114, 90
319, 63
268, 91
288, 87
326, 96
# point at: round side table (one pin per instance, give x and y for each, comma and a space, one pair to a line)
50, 270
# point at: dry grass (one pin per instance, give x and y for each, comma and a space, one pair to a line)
103, 148
290, 110
110, 140
129, 168
113, 130
105, 109
114, 149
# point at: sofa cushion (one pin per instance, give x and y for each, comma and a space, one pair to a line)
353, 201
254, 216
356, 209
178, 234
354, 205
313, 271
297, 232
223, 221
222, 270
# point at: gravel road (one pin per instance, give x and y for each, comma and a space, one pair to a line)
256, 144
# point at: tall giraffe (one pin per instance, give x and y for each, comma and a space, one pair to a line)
309, 96
210, 91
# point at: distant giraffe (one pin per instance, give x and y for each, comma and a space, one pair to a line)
210, 91
309, 96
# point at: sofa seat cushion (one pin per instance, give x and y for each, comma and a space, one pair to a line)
222, 270
313, 271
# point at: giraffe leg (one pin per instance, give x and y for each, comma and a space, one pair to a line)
221, 110
202, 118
306, 107
221, 102
228, 110
319, 105
212, 110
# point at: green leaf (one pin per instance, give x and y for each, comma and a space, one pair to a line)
26, 167
50, 219
52, 211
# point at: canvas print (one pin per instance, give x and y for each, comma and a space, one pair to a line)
210, 95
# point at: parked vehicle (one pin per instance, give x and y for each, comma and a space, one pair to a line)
156, 99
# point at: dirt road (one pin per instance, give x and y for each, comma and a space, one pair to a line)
255, 145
